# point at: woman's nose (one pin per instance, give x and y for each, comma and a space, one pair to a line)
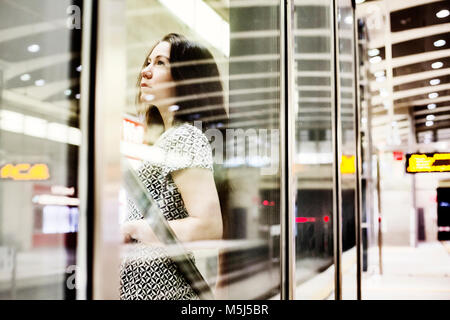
147, 72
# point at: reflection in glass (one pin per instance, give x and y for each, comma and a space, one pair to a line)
39, 144
348, 147
236, 147
314, 151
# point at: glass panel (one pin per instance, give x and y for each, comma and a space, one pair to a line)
40, 69
348, 161
314, 151
176, 88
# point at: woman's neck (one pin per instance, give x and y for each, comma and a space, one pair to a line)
167, 117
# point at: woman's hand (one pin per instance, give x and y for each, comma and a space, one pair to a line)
138, 230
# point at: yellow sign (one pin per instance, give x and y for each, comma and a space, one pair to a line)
428, 162
25, 172
348, 165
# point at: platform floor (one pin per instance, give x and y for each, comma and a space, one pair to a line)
421, 273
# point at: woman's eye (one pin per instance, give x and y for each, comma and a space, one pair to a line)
161, 63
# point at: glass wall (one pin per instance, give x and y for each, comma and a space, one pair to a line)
225, 127
40, 67
314, 87
188, 94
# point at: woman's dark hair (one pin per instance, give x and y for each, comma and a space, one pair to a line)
198, 89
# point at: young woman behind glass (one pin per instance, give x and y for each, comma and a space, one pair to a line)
177, 75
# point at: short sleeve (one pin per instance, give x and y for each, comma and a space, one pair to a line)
186, 147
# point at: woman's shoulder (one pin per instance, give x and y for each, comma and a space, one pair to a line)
185, 134
186, 146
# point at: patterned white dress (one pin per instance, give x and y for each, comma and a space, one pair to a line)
148, 273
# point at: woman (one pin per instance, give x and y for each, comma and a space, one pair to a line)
177, 76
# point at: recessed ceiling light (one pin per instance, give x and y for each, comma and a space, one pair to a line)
431, 106
384, 92
429, 123
430, 117
360, 1
34, 48
25, 77
444, 13
435, 82
437, 65
39, 83
375, 59
373, 52
79, 68
439, 43
67, 92
433, 95
348, 20
77, 96
379, 73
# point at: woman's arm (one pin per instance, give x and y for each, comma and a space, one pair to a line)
198, 190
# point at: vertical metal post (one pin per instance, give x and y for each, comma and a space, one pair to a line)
86, 163
380, 231
337, 132
287, 119
358, 196
110, 97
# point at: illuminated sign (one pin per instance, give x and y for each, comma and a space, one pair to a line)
427, 162
25, 172
132, 131
348, 164
398, 155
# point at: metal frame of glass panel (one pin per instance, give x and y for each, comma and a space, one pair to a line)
287, 135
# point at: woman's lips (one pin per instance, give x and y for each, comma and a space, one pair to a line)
145, 85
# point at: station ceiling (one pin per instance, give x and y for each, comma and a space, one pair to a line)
409, 86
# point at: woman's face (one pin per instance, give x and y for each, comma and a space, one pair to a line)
157, 85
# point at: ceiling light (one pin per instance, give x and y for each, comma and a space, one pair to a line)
79, 68
429, 123
437, 65
34, 48
77, 96
39, 83
439, 43
379, 73
433, 95
373, 52
68, 92
435, 82
430, 117
25, 77
375, 59
348, 20
384, 92
431, 106
362, 1
444, 13
174, 108
381, 79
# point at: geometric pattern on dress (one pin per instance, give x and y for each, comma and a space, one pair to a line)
147, 272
